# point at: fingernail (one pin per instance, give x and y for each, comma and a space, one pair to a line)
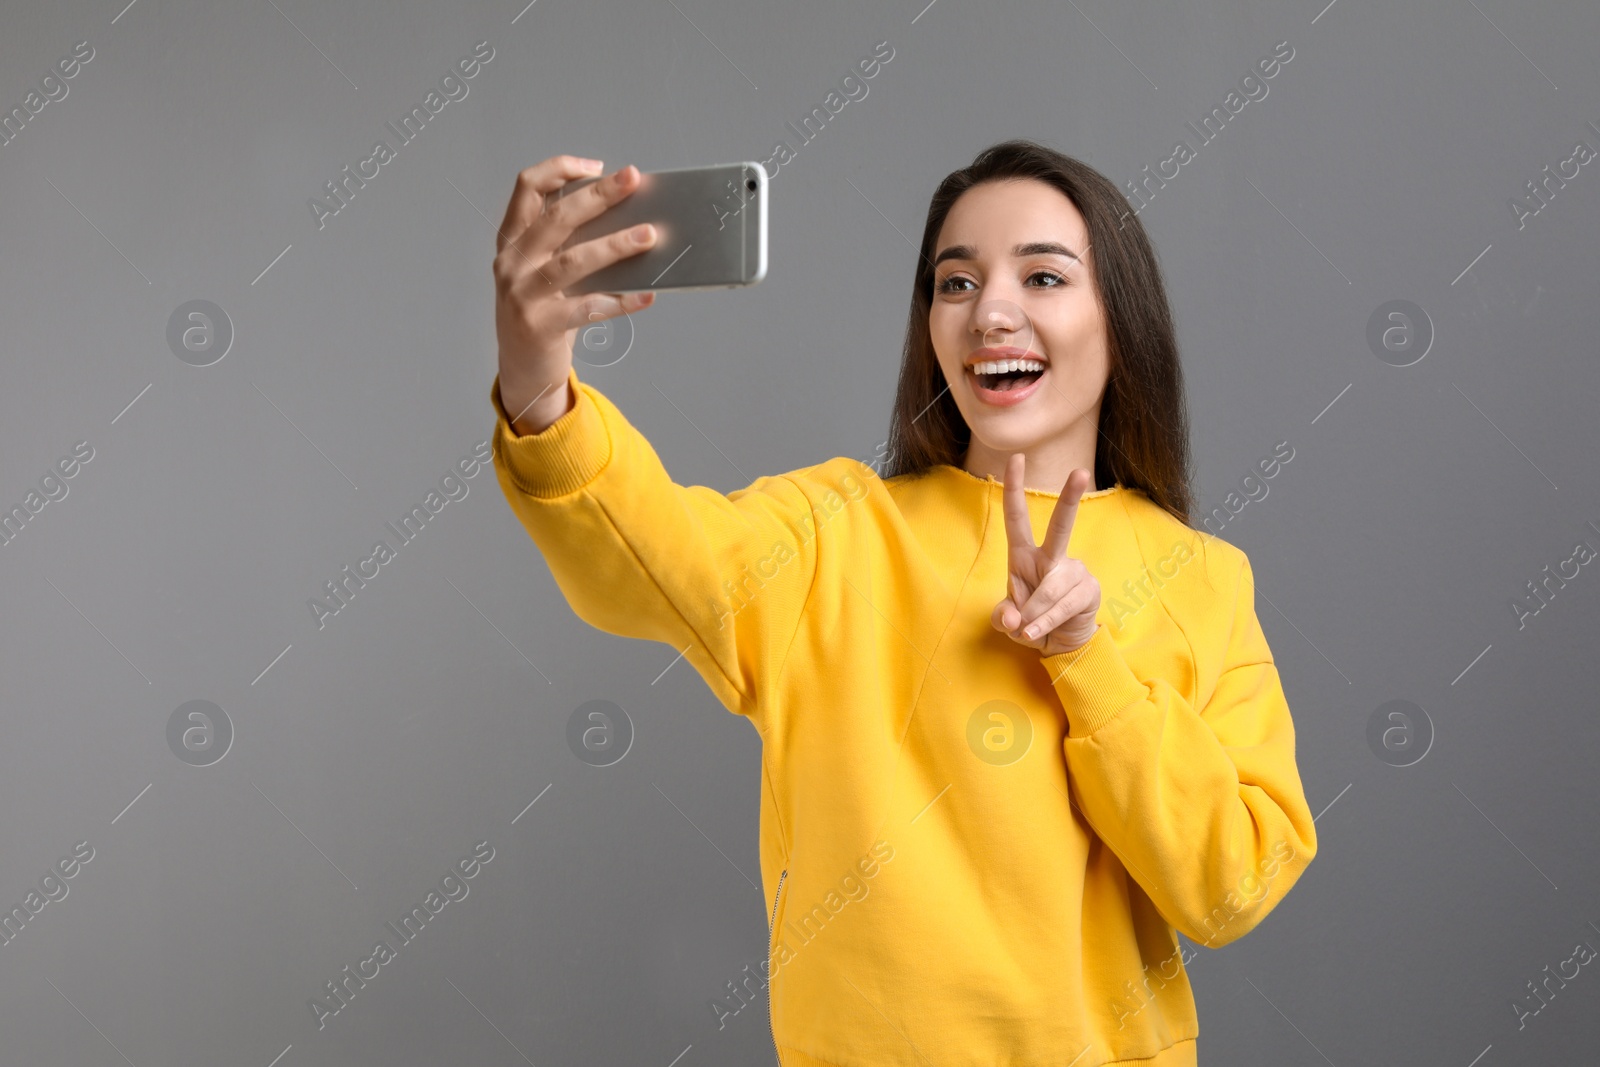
1031, 632
641, 233
592, 164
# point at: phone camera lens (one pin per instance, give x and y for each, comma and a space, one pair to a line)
750, 183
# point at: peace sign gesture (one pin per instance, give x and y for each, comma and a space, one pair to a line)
1058, 594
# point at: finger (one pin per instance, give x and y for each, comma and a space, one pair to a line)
573, 208
583, 259
1006, 618
1019, 528
1065, 514
1019, 589
1057, 584
546, 235
527, 198
1075, 603
597, 307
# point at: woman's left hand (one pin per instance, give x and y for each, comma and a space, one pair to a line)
1059, 596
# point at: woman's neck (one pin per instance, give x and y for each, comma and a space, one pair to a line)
1045, 468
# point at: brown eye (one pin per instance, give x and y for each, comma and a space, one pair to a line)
948, 285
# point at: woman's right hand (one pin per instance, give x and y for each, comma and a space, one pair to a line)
536, 322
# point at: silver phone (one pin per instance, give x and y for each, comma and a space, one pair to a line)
711, 230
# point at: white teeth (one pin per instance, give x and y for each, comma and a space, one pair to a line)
1003, 366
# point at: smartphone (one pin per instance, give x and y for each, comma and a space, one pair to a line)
711, 230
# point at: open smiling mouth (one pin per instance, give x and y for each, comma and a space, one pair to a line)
1006, 381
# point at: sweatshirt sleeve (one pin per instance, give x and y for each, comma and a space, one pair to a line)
721, 578
1204, 807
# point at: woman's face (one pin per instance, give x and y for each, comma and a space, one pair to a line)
1039, 301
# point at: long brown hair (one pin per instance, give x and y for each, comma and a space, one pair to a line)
1144, 424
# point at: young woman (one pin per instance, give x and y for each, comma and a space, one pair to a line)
1019, 720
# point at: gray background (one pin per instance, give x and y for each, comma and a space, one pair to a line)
429, 713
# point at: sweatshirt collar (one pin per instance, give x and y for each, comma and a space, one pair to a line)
958, 517
966, 480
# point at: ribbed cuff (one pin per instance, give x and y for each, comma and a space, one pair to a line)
563, 457
1094, 683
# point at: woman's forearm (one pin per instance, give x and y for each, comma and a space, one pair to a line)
533, 412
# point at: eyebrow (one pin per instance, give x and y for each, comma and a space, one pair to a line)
1033, 248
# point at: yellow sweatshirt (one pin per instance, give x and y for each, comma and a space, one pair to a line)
973, 855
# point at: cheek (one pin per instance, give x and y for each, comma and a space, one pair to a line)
1078, 338
1077, 324
945, 333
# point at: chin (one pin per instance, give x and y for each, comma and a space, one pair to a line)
1007, 435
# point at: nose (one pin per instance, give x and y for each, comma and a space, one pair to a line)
1000, 322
